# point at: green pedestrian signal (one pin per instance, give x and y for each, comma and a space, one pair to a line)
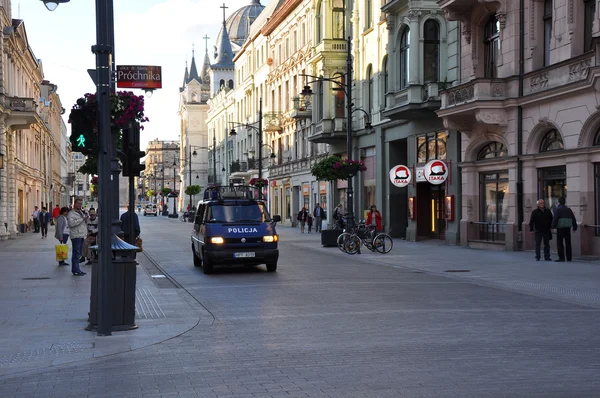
81, 141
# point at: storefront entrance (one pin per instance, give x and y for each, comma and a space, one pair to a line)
552, 184
430, 211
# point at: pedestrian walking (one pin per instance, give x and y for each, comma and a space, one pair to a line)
126, 219
302, 215
563, 221
61, 232
43, 221
77, 221
540, 225
320, 215
338, 217
374, 219
309, 221
55, 214
36, 219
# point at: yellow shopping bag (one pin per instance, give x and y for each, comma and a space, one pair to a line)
62, 252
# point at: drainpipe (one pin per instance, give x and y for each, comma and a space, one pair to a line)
520, 125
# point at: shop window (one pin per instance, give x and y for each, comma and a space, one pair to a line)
597, 196
404, 57
431, 52
492, 150
588, 23
552, 141
597, 138
431, 146
493, 205
552, 184
492, 46
547, 30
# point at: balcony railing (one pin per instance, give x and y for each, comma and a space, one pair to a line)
478, 90
491, 231
21, 104
237, 167
302, 108
295, 166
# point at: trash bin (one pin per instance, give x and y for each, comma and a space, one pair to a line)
329, 237
123, 288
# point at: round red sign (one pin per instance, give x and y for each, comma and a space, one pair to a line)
436, 172
400, 175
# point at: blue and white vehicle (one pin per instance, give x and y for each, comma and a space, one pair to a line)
233, 227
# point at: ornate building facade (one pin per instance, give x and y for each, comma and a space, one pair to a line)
163, 166
31, 131
527, 106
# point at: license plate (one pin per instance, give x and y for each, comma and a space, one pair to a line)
244, 255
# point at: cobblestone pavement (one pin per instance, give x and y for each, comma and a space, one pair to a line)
332, 325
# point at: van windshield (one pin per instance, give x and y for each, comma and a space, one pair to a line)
236, 212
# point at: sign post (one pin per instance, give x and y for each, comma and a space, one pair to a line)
136, 76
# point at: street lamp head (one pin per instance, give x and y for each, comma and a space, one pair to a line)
174, 163
306, 91
194, 153
197, 176
272, 155
368, 126
52, 4
233, 132
223, 169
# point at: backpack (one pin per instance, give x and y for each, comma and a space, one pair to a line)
299, 218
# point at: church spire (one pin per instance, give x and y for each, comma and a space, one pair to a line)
223, 50
193, 70
186, 76
206, 62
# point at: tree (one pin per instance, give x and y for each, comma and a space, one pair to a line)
150, 193
165, 191
193, 190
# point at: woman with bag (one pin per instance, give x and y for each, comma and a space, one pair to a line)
62, 234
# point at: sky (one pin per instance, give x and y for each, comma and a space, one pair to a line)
147, 32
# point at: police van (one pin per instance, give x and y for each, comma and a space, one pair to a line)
232, 227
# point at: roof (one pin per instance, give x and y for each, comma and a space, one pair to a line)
238, 23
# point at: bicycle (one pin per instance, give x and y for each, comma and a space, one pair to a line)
349, 242
185, 217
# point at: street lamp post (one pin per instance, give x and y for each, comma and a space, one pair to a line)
258, 130
194, 154
346, 86
174, 215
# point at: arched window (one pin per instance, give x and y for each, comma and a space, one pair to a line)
319, 22
431, 54
492, 150
339, 25
230, 84
552, 141
222, 83
370, 88
597, 138
404, 47
385, 75
492, 46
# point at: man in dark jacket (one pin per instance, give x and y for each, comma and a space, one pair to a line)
540, 224
126, 219
564, 220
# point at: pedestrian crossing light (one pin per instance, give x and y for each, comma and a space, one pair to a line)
81, 141
83, 137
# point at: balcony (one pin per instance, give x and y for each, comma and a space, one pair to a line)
329, 131
295, 166
332, 46
272, 121
22, 112
479, 99
302, 108
394, 6
414, 102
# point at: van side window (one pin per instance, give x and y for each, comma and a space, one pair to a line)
200, 214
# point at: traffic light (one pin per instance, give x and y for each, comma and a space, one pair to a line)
131, 151
83, 138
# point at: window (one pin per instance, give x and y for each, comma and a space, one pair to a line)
597, 196
431, 53
552, 184
339, 97
321, 101
492, 46
597, 138
552, 141
230, 83
370, 88
339, 27
404, 47
493, 206
384, 68
547, 30
319, 22
491, 151
368, 14
431, 146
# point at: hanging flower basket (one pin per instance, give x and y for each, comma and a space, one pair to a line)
259, 182
125, 108
94, 185
334, 168
348, 168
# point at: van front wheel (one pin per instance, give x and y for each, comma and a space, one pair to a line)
272, 267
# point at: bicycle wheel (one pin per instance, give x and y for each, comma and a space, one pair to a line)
383, 243
342, 239
352, 244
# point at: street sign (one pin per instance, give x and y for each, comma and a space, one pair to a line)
144, 77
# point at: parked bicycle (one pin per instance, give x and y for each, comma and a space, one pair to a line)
185, 216
351, 239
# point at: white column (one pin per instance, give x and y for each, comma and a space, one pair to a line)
413, 52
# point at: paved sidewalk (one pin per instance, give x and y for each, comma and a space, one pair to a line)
44, 309
577, 281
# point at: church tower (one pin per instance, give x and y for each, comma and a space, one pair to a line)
193, 108
222, 71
